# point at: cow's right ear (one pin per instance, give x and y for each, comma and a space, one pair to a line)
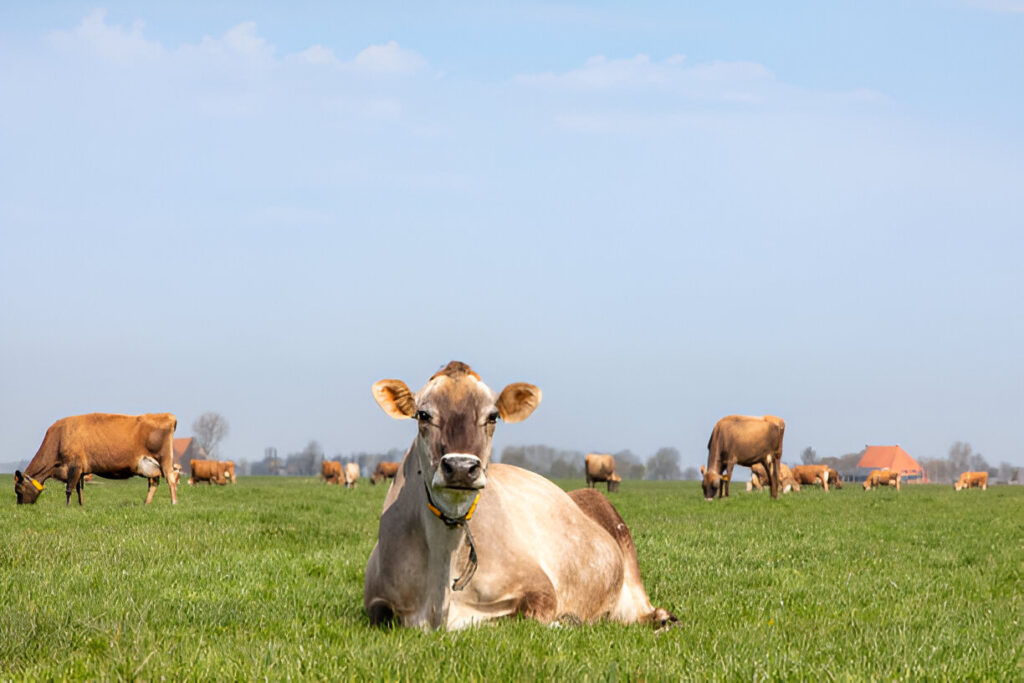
703, 470
395, 398
18, 477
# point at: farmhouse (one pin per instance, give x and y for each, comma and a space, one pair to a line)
893, 458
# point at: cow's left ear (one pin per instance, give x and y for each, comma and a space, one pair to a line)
517, 401
18, 477
395, 398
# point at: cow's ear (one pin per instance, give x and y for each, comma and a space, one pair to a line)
18, 477
517, 401
395, 398
703, 470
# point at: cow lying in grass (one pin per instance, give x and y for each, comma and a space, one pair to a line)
463, 540
970, 480
882, 478
759, 478
210, 471
812, 474
112, 446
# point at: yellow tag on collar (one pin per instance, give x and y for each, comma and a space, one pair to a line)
726, 478
39, 487
469, 515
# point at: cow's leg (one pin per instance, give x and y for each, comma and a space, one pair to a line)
153, 483
79, 488
727, 478
74, 479
772, 466
824, 481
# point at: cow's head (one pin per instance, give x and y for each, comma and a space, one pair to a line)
712, 483
26, 488
456, 413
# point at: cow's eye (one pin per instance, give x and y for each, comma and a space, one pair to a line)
422, 416
493, 417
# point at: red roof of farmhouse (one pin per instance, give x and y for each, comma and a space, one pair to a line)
893, 457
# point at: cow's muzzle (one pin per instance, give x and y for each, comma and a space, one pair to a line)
460, 471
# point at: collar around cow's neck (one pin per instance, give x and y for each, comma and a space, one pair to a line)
454, 522
40, 487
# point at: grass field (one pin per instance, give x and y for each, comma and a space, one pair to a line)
264, 579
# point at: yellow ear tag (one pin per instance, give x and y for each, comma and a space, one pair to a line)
39, 487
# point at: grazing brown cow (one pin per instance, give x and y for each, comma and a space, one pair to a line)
350, 471
385, 470
834, 479
884, 477
742, 440
812, 474
463, 540
969, 480
330, 470
601, 468
758, 478
229, 470
210, 471
112, 446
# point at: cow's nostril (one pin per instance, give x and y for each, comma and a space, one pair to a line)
474, 470
446, 468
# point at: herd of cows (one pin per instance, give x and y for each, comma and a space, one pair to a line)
461, 540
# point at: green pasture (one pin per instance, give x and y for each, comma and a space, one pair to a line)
265, 579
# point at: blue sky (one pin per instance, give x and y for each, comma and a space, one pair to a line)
658, 214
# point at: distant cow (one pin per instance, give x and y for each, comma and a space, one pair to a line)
971, 480
884, 477
834, 479
759, 478
351, 473
385, 470
463, 540
742, 440
229, 470
210, 471
601, 468
112, 446
330, 470
812, 474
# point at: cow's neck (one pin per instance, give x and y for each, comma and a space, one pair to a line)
447, 553
40, 469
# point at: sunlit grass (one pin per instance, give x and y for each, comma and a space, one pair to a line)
265, 579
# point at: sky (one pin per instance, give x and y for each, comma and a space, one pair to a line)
660, 213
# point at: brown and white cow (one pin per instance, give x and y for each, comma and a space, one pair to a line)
970, 480
330, 470
759, 478
812, 474
834, 480
463, 540
210, 471
742, 440
884, 477
601, 468
112, 446
350, 473
384, 470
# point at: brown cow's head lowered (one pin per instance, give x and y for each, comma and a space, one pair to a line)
456, 413
26, 488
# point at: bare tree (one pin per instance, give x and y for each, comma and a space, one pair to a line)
210, 429
664, 464
809, 456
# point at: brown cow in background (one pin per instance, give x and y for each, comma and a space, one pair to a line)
330, 470
758, 478
884, 477
742, 440
385, 470
229, 470
812, 474
112, 446
970, 480
601, 467
210, 471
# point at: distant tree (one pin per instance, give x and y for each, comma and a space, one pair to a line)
809, 456
1005, 472
960, 456
210, 429
307, 461
628, 465
664, 464
691, 474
